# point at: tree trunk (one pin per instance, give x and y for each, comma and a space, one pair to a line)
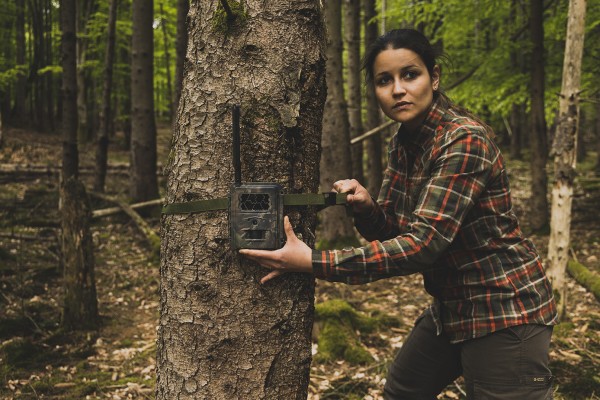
565, 152
83, 78
597, 169
352, 41
143, 182
221, 334
538, 215
374, 173
48, 78
70, 157
126, 101
21, 84
105, 114
80, 303
337, 230
515, 118
163, 23
183, 7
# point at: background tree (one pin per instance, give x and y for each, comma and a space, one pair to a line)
80, 305
106, 115
86, 92
180, 46
336, 158
249, 341
565, 152
539, 141
352, 44
143, 181
374, 167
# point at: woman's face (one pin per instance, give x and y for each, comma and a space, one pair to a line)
403, 86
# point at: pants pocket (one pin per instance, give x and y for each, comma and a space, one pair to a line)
530, 387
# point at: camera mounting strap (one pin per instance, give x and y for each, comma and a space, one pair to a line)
320, 200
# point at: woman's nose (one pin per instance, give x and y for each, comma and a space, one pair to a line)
398, 88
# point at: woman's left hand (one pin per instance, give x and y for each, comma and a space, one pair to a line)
295, 256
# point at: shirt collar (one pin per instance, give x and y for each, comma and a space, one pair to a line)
427, 129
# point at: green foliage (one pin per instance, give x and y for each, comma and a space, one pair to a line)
224, 23
11, 75
483, 34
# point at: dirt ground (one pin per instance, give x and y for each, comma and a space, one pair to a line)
38, 360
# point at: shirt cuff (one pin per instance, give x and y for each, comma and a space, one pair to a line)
321, 264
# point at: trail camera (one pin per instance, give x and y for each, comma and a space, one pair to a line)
255, 208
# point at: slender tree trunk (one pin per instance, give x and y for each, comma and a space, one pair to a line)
374, 172
80, 302
70, 157
21, 84
538, 214
80, 305
143, 182
83, 76
126, 105
352, 41
163, 23
515, 119
48, 78
183, 7
337, 230
516, 132
565, 152
597, 169
105, 114
221, 334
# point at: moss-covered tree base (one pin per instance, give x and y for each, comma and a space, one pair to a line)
585, 277
337, 326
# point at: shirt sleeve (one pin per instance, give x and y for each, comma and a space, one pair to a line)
459, 174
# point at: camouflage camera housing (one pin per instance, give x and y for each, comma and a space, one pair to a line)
256, 216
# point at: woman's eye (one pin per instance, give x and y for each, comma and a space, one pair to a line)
410, 75
383, 80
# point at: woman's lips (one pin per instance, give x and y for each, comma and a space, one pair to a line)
401, 105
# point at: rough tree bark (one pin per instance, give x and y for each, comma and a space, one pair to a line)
105, 113
354, 96
337, 230
538, 207
565, 152
221, 334
143, 182
374, 172
183, 7
80, 302
80, 306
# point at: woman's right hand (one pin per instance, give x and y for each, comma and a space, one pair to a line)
358, 196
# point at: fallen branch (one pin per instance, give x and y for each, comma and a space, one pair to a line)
22, 237
372, 132
19, 172
586, 278
151, 237
115, 210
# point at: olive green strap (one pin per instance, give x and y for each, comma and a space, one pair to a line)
196, 206
303, 199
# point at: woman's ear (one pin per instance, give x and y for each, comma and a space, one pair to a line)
435, 77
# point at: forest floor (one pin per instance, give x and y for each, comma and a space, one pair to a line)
40, 361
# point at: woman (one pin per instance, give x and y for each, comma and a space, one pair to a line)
444, 210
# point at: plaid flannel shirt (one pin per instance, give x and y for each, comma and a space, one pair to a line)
445, 211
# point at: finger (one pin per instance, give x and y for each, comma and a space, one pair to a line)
287, 226
271, 275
